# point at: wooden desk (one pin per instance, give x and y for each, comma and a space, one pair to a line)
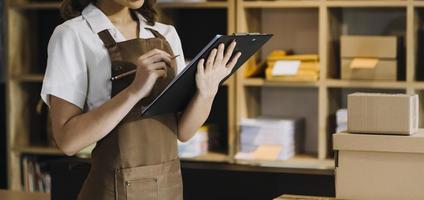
300, 197
13, 195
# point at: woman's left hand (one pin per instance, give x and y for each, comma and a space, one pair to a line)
217, 67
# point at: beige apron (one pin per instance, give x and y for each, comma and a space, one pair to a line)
139, 158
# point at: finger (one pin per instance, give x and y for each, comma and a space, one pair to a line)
150, 60
233, 62
154, 52
220, 54
150, 53
211, 59
158, 58
165, 73
229, 51
160, 73
158, 65
201, 67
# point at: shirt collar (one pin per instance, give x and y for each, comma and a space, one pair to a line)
98, 21
96, 18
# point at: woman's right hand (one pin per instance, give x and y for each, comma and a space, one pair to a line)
151, 66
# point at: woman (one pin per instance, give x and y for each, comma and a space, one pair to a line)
135, 157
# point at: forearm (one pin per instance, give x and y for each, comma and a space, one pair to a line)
194, 116
87, 128
209, 75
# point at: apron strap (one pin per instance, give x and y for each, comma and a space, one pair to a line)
156, 33
110, 44
160, 36
107, 38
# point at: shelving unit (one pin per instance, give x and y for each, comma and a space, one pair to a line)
305, 26
218, 17
30, 25
318, 25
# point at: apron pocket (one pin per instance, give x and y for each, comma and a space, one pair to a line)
142, 189
171, 186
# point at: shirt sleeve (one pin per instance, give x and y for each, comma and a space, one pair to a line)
178, 50
66, 71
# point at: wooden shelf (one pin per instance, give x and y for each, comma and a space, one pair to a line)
199, 5
333, 83
35, 6
247, 4
328, 3
419, 85
171, 5
7, 194
367, 4
281, 4
29, 78
237, 167
299, 161
419, 4
38, 150
209, 157
260, 82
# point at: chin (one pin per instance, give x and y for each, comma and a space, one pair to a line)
135, 4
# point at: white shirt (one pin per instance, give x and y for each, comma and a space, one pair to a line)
78, 65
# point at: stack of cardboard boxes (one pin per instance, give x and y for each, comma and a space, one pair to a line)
382, 155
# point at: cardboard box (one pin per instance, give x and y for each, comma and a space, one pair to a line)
383, 70
379, 166
382, 113
368, 46
369, 57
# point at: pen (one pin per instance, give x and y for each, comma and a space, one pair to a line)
117, 77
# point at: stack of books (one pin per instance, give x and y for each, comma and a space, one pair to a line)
35, 179
292, 68
270, 138
196, 146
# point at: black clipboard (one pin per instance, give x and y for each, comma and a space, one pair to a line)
175, 97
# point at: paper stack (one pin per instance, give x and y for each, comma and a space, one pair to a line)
196, 146
292, 68
270, 138
341, 119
